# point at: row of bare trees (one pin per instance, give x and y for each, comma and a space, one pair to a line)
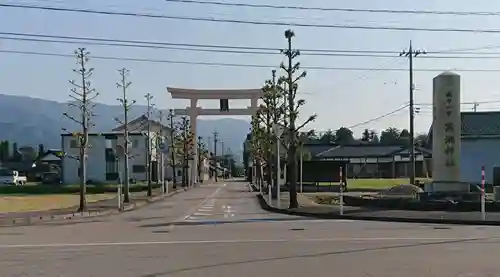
82, 101
280, 110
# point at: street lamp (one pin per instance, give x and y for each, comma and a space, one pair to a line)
278, 131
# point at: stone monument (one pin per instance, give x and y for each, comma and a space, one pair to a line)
446, 134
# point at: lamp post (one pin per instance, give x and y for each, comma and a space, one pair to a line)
278, 131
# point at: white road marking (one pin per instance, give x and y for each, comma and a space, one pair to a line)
205, 210
201, 204
201, 214
298, 240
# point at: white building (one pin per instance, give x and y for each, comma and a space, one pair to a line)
102, 164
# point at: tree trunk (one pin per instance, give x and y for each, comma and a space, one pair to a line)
292, 173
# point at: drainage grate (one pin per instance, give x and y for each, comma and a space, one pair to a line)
442, 228
297, 229
161, 232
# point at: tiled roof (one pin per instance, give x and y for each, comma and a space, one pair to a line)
358, 151
141, 119
480, 123
316, 149
477, 124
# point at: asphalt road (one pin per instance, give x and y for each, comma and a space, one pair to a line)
219, 230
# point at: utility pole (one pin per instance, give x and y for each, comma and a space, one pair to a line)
149, 97
172, 146
216, 134
474, 106
161, 155
186, 143
200, 147
223, 160
124, 84
271, 120
82, 95
229, 162
410, 53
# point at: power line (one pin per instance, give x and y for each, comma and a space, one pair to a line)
326, 68
254, 22
464, 103
270, 50
282, 7
156, 45
379, 117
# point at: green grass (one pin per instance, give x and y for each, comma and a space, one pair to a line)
67, 189
375, 183
11, 204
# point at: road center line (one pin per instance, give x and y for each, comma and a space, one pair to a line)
144, 243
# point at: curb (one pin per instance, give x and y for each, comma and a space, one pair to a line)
32, 220
265, 206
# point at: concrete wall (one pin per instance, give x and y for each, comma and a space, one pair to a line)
476, 153
96, 161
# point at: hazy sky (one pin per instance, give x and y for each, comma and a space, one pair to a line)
340, 98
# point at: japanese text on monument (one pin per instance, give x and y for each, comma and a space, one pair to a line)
449, 127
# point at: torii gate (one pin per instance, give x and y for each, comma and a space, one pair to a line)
194, 111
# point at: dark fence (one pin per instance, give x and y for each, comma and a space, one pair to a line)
322, 171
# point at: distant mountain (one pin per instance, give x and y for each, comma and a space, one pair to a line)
31, 121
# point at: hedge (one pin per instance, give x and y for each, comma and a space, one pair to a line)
418, 205
62, 189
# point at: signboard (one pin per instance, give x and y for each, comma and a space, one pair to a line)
163, 147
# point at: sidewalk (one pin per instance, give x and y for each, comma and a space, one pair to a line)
310, 209
99, 208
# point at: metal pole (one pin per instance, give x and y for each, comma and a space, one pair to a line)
412, 122
215, 156
410, 54
148, 156
119, 190
172, 147
483, 195
301, 162
269, 192
278, 189
341, 193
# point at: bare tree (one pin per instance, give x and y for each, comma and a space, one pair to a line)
172, 146
293, 107
82, 95
185, 139
127, 105
149, 97
271, 113
161, 143
202, 154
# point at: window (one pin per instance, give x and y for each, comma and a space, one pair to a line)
73, 143
111, 167
138, 168
135, 143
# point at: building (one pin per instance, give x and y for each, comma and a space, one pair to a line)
378, 161
480, 140
103, 166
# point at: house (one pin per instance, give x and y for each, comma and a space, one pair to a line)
480, 141
103, 164
378, 161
